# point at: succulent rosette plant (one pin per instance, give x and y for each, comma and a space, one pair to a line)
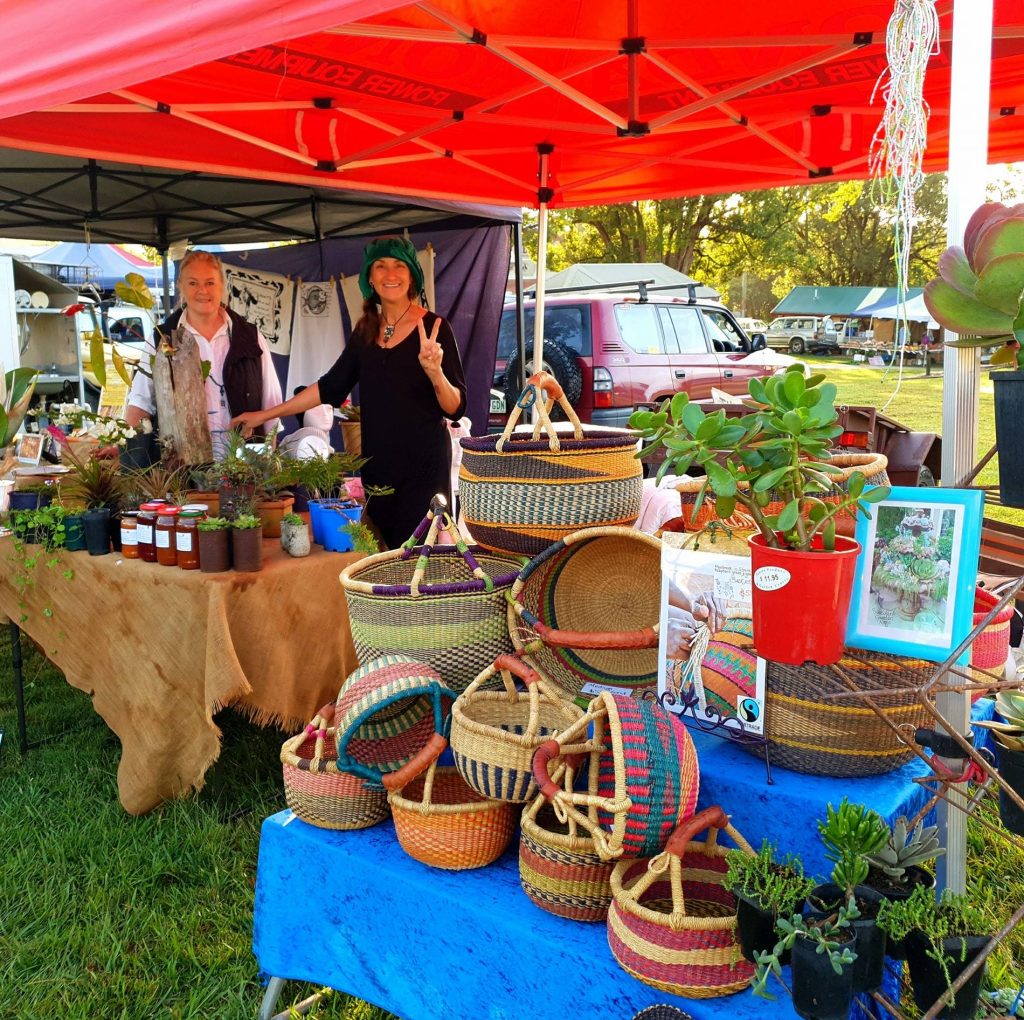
979, 292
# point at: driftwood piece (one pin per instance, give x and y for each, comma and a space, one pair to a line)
181, 399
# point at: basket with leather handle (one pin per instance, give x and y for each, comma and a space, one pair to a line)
521, 491
672, 921
564, 599
495, 732
642, 775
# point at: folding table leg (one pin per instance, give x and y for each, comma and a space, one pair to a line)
19, 685
274, 989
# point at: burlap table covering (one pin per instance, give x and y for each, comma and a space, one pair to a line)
160, 650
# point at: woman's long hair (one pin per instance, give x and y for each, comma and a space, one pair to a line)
367, 329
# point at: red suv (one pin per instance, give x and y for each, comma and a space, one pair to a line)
610, 352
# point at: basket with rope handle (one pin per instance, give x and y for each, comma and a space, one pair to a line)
563, 600
697, 513
440, 820
494, 733
441, 604
642, 775
521, 491
992, 645
672, 921
559, 867
322, 792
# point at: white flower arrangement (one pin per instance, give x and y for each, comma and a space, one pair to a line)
85, 423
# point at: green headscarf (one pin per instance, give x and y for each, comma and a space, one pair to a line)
390, 248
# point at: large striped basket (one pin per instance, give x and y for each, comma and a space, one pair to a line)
495, 732
992, 645
442, 605
565, 602
521, 491
808, 731
642, 775
387, 711
672, 921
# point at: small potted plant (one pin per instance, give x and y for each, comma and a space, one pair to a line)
824, 950
765, 889
1008, 731
979, 294
246, 542
214, 549
942, 937
294, 535
774, 463
351, 429
324, 478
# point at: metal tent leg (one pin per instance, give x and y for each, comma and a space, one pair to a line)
274, 989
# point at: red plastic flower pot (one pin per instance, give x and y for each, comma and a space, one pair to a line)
801, 601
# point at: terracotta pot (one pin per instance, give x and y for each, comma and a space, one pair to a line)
271, 511
211, 500
295, 539
214, 551
247, 549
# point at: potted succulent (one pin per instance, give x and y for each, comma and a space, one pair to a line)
979, 295
824, 950
1008, 731
943, 938
214, 550
765, 889
294, 535
246, 542
774, 463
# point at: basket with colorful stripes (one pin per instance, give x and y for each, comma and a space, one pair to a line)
521, 491
642, 775
443, 605
672, 921
495, 732
992, 645
564, 601
440, 821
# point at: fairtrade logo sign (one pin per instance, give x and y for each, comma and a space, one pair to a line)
771, 578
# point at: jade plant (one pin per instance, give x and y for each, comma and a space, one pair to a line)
775, 456
979, 292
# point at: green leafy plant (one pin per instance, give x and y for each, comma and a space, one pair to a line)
829, 933
363, 539
324, 477
979, 292
774, 885
294, 520
213, 524
92, 482
246, 522
166, 479
16, 388
905, 848
850, 833
779, 452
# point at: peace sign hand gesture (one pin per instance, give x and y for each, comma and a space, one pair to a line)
430, 349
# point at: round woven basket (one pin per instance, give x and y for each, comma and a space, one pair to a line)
495, 732
565, 602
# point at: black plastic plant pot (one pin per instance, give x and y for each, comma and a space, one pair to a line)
24, 501
819, 993
114, 527
1011, 768
896, 949
1008, 390
755, 927
928, 978
74, 533
870, 963
97, 530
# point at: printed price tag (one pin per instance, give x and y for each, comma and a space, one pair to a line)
771, 578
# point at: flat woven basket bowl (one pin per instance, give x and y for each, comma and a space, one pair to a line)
843, 737
524, 498
453, 624
599, 580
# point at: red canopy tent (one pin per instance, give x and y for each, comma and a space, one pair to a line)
451, 98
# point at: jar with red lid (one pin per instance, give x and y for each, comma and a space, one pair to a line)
163, 535
186, 538
144, 530
129, 534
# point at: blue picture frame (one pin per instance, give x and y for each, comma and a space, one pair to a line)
913, 594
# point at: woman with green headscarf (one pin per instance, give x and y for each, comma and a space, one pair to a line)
406, 364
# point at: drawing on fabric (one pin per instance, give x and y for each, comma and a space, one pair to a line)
259, 298
314, 299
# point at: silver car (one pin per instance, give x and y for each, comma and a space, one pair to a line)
803, 334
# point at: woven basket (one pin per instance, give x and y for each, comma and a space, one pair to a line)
388, 709
672, 922
520, 492
440, 821
642, 775
494, 733
445, 607
843, 737
559, 866
565, 600
992, 645
871, 465
317, 790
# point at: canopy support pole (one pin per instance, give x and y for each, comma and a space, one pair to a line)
968, 155
517, 239
544, 195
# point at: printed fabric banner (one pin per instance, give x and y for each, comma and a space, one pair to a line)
265, 300
317, 335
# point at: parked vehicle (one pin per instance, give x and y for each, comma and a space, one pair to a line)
803, 334
752, 326
125, 328
610, 352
